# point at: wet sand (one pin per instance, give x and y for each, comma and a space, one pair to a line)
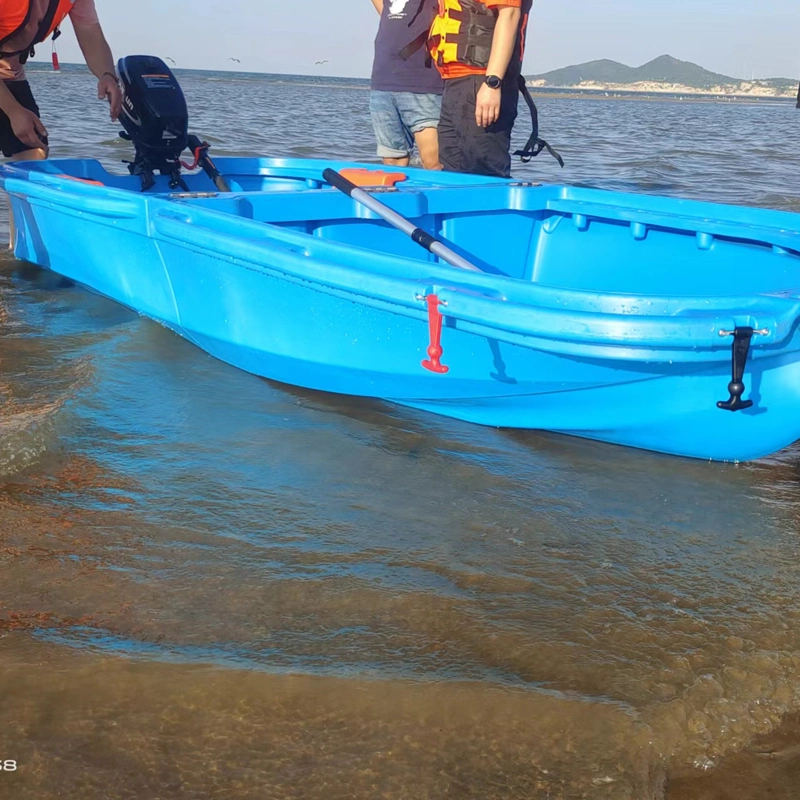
91, 727
768, 768
109, 728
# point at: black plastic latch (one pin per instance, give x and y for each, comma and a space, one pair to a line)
739, 352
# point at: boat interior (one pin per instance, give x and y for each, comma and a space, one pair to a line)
557, 236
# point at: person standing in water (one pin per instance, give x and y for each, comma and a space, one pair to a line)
478, 47
24, 24
406, 97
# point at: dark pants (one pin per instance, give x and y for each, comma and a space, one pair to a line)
463, 146
9, 144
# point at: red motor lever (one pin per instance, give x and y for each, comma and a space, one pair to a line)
198, 154
432, 363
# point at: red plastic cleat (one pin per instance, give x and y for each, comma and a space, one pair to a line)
432, 363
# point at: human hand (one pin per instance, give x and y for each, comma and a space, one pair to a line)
28, 128
108, 89
487, 106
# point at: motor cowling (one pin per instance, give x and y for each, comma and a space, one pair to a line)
154, 115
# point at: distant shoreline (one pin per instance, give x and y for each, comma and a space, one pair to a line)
654, 97
668, 90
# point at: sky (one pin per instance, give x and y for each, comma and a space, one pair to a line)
741, 38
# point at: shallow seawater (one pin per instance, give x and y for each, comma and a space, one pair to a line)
218, 586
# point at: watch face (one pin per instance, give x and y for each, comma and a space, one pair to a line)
493, 82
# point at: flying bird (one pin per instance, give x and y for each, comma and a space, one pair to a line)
321, 62
235, 59
169, 59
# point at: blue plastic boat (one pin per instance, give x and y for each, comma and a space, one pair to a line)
611, 316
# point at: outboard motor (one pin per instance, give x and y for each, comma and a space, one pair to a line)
156, 121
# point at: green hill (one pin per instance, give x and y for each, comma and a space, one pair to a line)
603, 71
664, 69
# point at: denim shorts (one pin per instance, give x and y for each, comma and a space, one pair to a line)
397, 116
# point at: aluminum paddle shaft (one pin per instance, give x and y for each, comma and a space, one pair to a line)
421, 237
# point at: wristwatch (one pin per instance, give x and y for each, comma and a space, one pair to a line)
493, 82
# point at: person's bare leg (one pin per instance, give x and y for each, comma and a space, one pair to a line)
428, 144
396, 162
25, 155
30, 155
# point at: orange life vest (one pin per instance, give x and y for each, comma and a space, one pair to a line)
462, 33
25, 23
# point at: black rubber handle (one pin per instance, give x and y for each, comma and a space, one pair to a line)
339, 181
741, 349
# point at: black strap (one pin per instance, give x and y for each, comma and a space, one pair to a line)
420, 41
414, 46
535, 144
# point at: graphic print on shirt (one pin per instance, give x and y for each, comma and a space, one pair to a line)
397, 9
